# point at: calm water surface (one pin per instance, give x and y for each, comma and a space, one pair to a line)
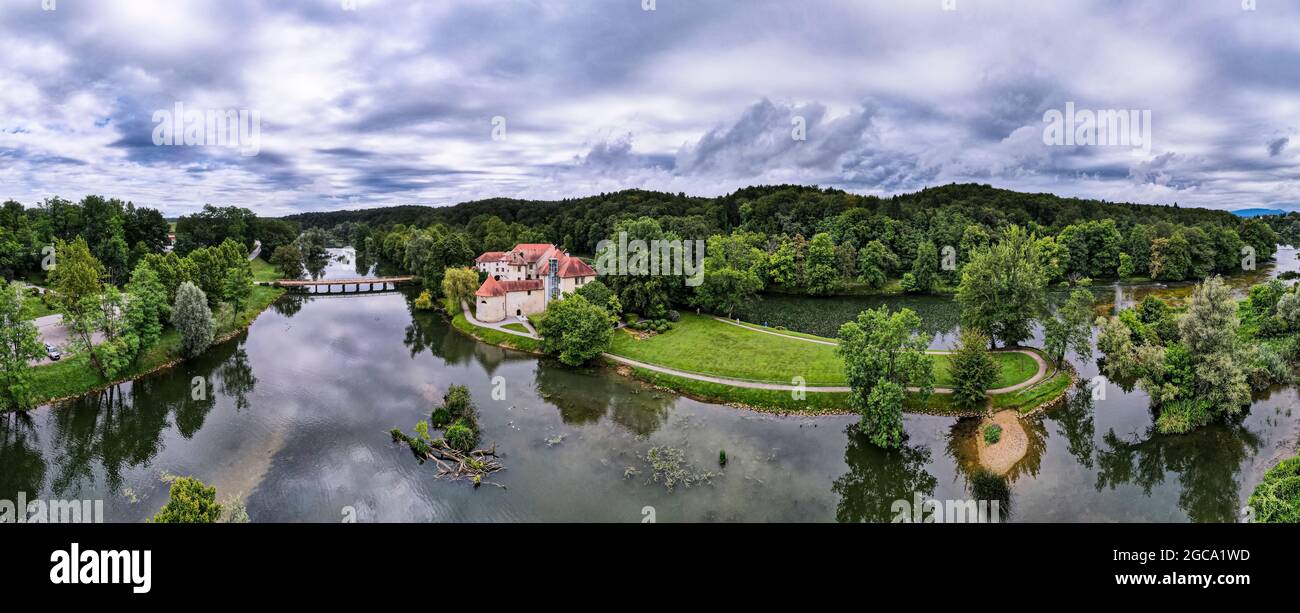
297, 415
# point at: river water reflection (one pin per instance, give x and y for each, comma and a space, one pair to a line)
296, 419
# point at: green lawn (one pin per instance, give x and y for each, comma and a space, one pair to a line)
263, 271
496, 337
516, 328
701, 344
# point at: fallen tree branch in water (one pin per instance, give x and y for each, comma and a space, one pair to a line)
453, 464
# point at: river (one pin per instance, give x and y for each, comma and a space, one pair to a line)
295, 415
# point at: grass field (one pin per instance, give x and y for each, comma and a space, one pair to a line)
74, 374
263, 271
703, 345
496, 337
516, 328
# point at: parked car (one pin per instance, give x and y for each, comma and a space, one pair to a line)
52, 352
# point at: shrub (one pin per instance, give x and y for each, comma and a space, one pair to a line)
424, 302
1277, 498
461, 437
722, 457
1183, 416
674, 315
992, 434
441, 417
189, 502
631, 318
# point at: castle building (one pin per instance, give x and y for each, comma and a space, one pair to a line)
525, 279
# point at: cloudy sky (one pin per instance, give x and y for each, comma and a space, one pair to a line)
442, 101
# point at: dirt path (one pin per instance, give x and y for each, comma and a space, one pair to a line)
1038, 376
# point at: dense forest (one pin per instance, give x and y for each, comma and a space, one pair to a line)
824, 241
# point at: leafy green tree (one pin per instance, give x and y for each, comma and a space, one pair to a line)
1171, 258
883, 354
1004, 288
20, 344
193, 319
925, 268
875, 263
146, 307
733, 273
1070, 328
1126, 269
172, 271
189, 502
575, 330
1260, 236
783, 264
77, 281
459, 284
820, 273
1209, 331
238, 288
973, 369
288, 260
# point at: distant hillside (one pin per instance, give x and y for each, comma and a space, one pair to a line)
1257, 212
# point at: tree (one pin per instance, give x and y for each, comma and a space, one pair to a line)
1171, 258
1125, 266
77, 281
1004, 288
189, 502
146, 307
193, 319
875, 263
459, 284
288, 260
821, 276
732, 273
238, 288
20, 344
973, 369
883, 354
1070, 328
1209, 332
925, 268
575, 330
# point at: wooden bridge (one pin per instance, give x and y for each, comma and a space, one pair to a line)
326, 286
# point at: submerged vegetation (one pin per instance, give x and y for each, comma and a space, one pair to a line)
1203, 363
455, 451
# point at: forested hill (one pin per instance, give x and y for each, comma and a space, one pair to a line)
780, 209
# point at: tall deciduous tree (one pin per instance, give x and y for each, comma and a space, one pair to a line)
973, 369
193, 319
732, 273
884, 353
1070, 328
1004, 288
20, 344
575, 330
459, 284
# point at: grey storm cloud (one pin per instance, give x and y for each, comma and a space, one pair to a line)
397, 102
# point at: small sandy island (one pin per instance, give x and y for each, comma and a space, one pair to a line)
1010, 448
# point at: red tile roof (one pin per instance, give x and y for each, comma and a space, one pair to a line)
569, 267
533, 251
492, 287
490, 256
522, 286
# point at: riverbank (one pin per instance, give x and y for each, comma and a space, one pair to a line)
711, 346
75, 376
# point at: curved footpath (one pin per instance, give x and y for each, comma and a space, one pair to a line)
1038, 376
